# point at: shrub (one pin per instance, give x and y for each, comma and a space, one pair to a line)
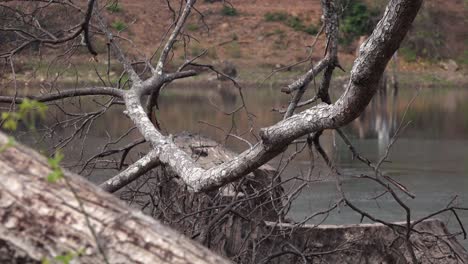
229, 11
357, 20
192, 27
295, 23
311, 29
464, 58
114, 7
119, 25
291, 21
426, 37
276, 16
408, 54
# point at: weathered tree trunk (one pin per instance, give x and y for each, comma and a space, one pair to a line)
41, 220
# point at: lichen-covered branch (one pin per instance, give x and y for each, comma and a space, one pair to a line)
365, 75
130, 174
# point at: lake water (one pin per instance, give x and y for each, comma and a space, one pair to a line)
430, 157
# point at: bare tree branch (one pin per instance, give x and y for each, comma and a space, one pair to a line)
90, 91
130, 174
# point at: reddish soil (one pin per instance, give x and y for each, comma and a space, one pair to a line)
257, 42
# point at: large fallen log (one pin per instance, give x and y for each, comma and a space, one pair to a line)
42, 220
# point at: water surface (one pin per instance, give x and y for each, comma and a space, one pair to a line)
430, 156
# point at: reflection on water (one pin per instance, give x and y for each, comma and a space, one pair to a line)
379, 120
436, 113
430, 157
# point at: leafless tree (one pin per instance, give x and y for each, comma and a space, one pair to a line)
234, 204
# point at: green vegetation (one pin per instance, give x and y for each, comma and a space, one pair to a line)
408, 54
464, 58
291, 21
192, 27
437, 80
311, 29
234, 36
124, 82
114, 7
119, 25
229, 11
28, 112
276, 16
357, 20
11, 142
295, 23
426, 39
65, 258
54, 164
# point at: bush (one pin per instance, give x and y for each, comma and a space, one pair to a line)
192, 27
295, 23
291, 21
357, 20
464, 58
119, 25
114, 7
276, 16
426, 38
408, 54
229, 11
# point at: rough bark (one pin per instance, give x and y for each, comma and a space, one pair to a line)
41, 220
365, 75
130, 174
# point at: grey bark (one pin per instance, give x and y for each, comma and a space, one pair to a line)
130, 174
365, 75
41, 220
66, 94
